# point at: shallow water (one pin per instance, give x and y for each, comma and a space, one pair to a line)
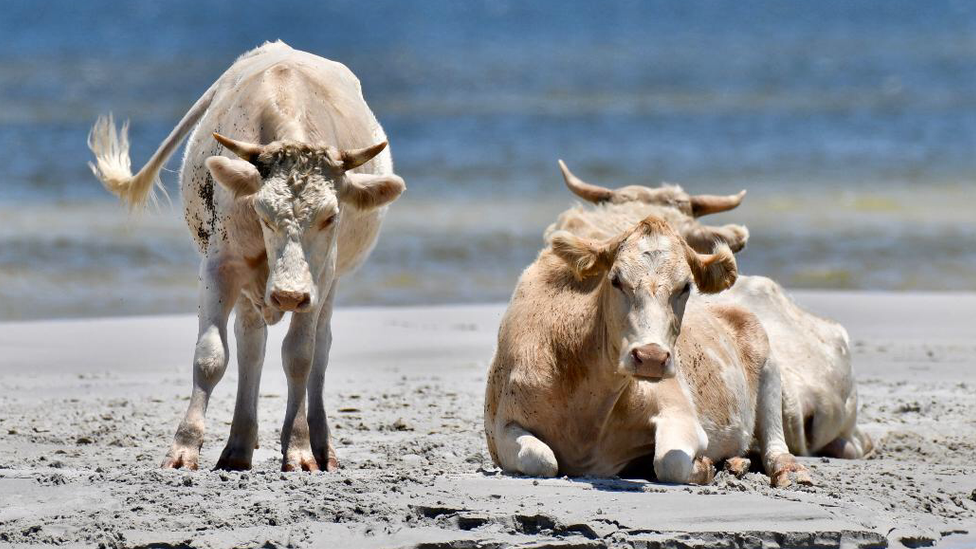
852, 125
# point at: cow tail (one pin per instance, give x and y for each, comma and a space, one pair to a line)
113, 167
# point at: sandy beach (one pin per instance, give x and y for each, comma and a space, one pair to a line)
88, 407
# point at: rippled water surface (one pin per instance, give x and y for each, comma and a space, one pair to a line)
853, 125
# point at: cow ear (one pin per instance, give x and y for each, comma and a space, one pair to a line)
367, 192
585, 256
713, 272
703, 237
238, 176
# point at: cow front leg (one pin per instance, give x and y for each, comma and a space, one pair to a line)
519, 451
297, 355
780, 464
218, 292
252, 333
678, 445
318, 423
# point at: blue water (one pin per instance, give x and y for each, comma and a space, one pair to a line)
853, 125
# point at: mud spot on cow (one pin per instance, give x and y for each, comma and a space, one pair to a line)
206, 229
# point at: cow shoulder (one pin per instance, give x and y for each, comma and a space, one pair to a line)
751, 340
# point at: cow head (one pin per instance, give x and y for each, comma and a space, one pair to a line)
647, 275
666, 195
701, 237
300, 193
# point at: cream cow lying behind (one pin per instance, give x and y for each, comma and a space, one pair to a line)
812, 353
602, 362
625, 206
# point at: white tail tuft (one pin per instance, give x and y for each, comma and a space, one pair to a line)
114, 169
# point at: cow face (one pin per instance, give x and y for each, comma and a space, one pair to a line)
299, 194
647, 275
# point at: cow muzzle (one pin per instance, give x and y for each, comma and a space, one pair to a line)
652, 361
291, 301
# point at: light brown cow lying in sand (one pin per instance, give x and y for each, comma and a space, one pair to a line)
812, 353
626, 206
600, 364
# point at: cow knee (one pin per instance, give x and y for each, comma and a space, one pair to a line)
841, 448
536, 459
675, 466
209, 359
298, 366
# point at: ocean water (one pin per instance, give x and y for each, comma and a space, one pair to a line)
852, 125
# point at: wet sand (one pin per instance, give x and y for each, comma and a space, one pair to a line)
88, 408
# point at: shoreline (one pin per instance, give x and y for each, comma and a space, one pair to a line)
89, 406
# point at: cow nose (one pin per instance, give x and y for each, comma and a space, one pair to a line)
290, 301
650, 360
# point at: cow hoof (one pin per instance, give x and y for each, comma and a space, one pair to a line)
180, 457
328, 462
787, 471
703, 471
737, 466
233, 461
299, 461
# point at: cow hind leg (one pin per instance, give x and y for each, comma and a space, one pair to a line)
252, 333
856, 445
519, 451
864, 442
841, 448
781, 466
218, 292
851, 442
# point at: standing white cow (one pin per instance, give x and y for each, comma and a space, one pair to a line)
304, 183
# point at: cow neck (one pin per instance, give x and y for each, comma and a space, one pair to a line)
600, 387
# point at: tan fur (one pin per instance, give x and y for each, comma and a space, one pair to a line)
714, 272
555, 384
819, 397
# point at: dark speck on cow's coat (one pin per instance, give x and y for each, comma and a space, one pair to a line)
206, 229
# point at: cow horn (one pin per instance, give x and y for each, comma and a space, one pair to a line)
247, 151
354, 158
704, 204
582, 189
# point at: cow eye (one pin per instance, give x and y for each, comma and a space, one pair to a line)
266, 223
615, 281
325, 223
687, 289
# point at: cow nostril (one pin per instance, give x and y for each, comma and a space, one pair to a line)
306, 301
636, 354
